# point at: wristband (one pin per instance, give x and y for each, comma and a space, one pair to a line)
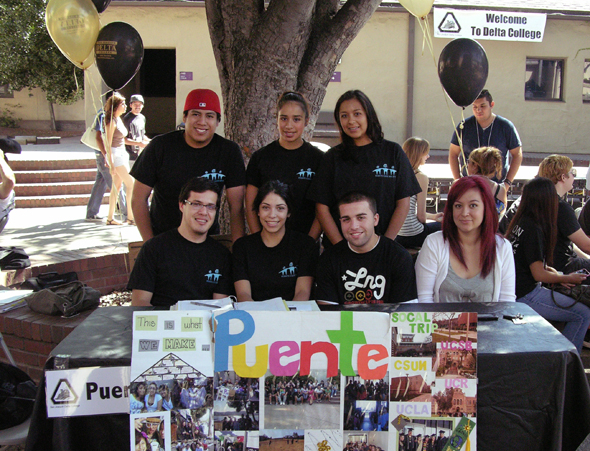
506, 180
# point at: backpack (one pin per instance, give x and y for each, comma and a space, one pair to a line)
17, 396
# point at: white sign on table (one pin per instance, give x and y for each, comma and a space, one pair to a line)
87, 391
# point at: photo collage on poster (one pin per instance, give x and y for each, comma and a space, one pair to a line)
433, 385
171, 400
303, 381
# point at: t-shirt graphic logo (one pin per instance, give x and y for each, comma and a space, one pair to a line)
289, 271
305, 175
216, 176
213, 277
362, 279
385, 171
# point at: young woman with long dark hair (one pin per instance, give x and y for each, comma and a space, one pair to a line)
467, 261
275, 262
533, 234
117, 156
291, 160
137, 398
365, 162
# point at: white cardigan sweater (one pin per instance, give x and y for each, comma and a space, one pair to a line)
432, 267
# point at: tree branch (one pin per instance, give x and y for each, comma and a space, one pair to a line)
332, 34
284, 29
326, 9
230, 24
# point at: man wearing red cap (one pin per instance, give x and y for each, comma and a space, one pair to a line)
170, 160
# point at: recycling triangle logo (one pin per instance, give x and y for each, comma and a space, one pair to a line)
64, 393
449, 24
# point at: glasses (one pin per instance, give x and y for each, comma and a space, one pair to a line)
573, 172
196, 206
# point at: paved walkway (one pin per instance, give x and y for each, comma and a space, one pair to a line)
57, 234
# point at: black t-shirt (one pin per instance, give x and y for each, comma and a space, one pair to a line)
379, 169
297, 168
501, 134
567, 223
384, 275
175, 269
527, 245
168, 162
135, 125
273, 271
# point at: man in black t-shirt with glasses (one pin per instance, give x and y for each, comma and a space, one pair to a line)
184, 263
364, 268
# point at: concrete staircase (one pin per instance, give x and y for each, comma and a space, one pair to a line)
54, 183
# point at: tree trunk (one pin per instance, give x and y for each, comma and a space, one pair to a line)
287, 46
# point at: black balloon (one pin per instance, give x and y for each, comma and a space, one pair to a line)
463, 70
119, 53
101, 5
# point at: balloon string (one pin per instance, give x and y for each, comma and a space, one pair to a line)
94, 88
460, 140
423, 34
427, 36
76, 80
97, 105
107, 142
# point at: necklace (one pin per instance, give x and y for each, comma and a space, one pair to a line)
378, 239
483, 130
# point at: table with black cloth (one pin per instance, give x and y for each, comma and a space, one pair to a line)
532, 392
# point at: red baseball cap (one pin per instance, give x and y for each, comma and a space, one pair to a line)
202, 99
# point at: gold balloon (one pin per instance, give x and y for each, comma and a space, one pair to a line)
86, 63
419, 8
73, 25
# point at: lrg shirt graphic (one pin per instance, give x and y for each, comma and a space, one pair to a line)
362, 288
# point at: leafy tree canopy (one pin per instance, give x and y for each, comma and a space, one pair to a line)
28, 56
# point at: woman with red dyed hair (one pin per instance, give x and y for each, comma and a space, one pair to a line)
467, 261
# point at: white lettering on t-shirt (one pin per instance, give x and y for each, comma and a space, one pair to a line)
363, 280
515, 235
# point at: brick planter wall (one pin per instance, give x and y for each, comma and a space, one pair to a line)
32, 336
104, 272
